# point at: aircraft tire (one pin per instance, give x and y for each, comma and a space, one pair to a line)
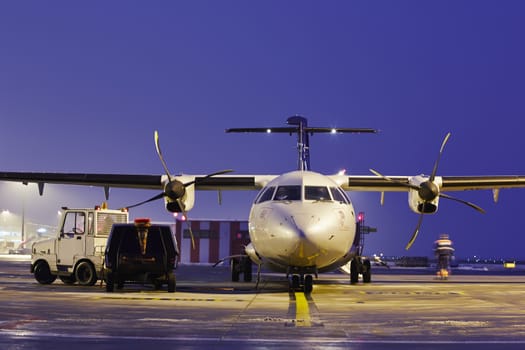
235, 269
354, 271
367, 271
296, 282
308, 284
247, 269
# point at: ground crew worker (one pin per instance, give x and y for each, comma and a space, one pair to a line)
444, 251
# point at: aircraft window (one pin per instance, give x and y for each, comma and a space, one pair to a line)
265, 195
317, 193
288, 193
339, 195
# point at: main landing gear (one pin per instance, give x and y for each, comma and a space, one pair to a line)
241, 265
302, 283
360, 266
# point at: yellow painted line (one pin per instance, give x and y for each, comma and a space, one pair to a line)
302, 311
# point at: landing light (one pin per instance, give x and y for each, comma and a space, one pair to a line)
333, 131
180, 218
268, 131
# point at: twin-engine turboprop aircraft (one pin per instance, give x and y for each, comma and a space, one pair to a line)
301, 222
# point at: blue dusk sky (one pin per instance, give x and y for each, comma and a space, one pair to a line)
84, 84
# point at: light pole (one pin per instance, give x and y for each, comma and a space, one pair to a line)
23, 233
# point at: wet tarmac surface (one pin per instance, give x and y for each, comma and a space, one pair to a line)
395, 311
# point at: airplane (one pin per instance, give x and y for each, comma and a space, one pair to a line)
301, 222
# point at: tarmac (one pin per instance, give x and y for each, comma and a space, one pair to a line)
400, 309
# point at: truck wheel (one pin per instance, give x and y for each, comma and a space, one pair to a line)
110, 283
43, 273
85, 274
171, 282
157, 284
67, 279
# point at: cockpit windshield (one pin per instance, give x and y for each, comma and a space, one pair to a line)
288, 193
316, 193
294, 193
339, 195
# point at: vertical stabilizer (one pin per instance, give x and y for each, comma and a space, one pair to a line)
299, 126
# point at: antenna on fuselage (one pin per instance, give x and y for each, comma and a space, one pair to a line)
299, 126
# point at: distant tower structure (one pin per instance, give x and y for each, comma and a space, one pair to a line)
444, 251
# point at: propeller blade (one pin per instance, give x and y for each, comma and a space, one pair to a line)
210, 175
377, 173
434, 171
159, 153
416, 231
185, 213
470, 204
154, 198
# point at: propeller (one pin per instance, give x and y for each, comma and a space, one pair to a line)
428, 191
175, 189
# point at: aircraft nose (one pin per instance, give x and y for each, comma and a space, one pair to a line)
307, 233
302, 223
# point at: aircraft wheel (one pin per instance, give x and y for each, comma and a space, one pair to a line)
85, 274
43, 273
308, 284
296, 283
354, 271
367, 271
235, 267
171, 282
247, 269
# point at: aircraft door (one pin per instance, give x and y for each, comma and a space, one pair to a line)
72, 238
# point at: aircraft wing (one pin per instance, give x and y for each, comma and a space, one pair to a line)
448, 183
202, 182
254, 182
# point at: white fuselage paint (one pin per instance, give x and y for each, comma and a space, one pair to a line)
302, 233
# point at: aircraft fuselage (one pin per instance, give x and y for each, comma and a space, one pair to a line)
302, 222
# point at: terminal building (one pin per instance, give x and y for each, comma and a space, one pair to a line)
214, 239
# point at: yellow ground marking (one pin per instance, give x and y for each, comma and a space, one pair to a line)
302, 311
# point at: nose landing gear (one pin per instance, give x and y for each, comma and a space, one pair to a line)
302, 283
360, 266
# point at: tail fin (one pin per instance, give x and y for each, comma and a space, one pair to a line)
299, 126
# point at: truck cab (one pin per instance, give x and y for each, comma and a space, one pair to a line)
76, 254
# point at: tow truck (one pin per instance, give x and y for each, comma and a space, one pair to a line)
76, 254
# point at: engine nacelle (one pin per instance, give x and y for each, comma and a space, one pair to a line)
418, 204
188, 200
176, 189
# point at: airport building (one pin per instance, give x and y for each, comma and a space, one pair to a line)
214, 239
